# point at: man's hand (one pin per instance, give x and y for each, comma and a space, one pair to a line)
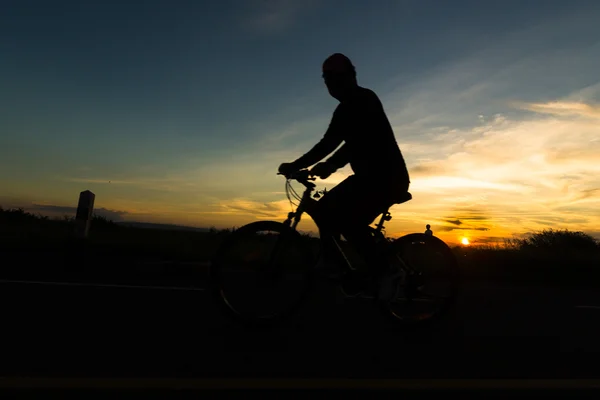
287, 169
323, 170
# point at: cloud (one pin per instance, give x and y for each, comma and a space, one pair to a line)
276, 15
103, 181
426, 169
465, 222
259, 210
520, 170
565, 109
156, 183
522, 66
453, 228
589, 193
469, 145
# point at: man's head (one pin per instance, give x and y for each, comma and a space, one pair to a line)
428, 226
339, 75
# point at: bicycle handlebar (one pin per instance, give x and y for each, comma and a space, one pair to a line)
301, 175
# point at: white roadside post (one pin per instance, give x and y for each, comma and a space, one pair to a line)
85, 211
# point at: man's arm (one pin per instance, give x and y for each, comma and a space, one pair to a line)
340, 158
330, 141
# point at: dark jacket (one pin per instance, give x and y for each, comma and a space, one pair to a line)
369, 143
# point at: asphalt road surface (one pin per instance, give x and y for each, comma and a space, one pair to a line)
59, 329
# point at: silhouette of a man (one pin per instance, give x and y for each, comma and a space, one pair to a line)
380, 175
428, 231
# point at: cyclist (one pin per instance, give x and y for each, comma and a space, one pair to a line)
380, 177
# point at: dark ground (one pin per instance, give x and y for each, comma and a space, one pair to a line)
110, 331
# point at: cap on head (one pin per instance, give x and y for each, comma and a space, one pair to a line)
338, 64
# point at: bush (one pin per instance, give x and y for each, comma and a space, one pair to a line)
17, 215
551, 240
102, 223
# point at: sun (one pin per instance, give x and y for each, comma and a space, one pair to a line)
465, 241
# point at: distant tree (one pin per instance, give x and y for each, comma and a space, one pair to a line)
557, 240
100, 222
16, 215
213, 231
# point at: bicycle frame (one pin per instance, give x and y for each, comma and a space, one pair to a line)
306, 204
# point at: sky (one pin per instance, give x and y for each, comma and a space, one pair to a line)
181, 111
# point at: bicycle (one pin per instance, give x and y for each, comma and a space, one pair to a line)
301, 252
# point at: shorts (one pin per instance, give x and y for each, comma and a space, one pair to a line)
355, 202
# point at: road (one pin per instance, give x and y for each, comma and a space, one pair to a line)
69, 329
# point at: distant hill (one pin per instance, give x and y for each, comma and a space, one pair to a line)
170, 227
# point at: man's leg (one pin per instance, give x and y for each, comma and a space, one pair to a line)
360, 238
326, 214
349, 208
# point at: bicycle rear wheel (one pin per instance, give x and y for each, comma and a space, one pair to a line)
262, 273
429, 283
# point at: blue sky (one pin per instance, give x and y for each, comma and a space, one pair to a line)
188, 107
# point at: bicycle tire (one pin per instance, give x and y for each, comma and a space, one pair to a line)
241, 235
430, 244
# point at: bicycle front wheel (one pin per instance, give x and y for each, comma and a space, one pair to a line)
262, 273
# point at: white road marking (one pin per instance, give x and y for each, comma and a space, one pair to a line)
198, 263
104, 285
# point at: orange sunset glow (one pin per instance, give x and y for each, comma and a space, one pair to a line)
493, 147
